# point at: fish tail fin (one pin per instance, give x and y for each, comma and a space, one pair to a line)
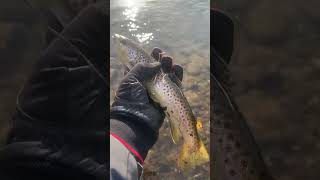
190, 156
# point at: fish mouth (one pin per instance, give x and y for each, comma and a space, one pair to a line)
119, 42
119, 36
115, 39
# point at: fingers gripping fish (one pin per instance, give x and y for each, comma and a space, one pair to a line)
165, 89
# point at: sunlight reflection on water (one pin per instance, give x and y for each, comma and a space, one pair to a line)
181, 28
135, 28
172, 23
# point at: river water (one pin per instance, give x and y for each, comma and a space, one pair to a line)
181, 29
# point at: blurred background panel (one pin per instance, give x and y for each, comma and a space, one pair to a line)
276, 70
22, 39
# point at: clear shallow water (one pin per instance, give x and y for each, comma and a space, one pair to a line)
182, 29
162, 23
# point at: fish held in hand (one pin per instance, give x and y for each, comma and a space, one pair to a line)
165, 89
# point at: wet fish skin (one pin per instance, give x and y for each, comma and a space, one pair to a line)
169, 95
130, 53
182, 120
164, 91
234, 153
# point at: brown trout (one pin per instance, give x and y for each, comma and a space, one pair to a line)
234, 153
163, 90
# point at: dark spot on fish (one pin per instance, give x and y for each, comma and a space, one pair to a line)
228, 148
185, 162
226, 161
245, 153
227, 125
244, 163
230, 137
263, 174
191, 134
232, 172
168, 115
164, 108
237, 145
171, 111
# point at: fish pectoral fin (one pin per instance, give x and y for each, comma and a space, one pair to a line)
175, 132
153, 95
175, 79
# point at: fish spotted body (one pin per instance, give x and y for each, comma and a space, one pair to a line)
234, 153
163, 90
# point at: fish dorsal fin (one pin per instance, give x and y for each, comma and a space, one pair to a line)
175, 79
174, 131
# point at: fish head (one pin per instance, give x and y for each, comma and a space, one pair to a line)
130, 51
127, 50
119, 39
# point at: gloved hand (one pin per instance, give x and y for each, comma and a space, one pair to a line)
134, 116
221, 47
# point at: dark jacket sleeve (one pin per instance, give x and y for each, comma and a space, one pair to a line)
137, 137
65, 100
123, 164
59, 129
64, 90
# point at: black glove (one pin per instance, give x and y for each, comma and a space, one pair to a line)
134, 116
220, 55
222, 34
